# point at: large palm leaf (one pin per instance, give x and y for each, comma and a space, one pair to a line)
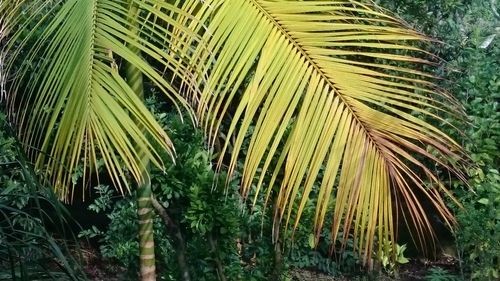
346, 80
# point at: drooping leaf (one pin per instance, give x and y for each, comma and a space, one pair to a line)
346, 81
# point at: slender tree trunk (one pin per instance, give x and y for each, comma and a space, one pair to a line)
144, 205
146, 238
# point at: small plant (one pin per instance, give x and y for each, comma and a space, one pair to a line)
440, 274
389, 260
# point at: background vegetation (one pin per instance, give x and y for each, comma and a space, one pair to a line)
470, 32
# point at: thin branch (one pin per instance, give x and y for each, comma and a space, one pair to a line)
175, 233
218, 263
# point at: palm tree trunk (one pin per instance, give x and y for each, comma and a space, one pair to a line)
144, 205
146, 238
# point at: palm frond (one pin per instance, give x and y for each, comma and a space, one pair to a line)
349, 84
69, 100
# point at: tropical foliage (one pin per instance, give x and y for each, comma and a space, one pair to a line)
339, 87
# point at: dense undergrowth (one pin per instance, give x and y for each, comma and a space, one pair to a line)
35, 240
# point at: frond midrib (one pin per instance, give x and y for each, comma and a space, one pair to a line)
92, 45
321, 73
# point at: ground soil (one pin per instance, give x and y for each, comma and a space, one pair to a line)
101, 270
415, 270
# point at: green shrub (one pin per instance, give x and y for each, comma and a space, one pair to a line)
33, 223
118, 242
478, 238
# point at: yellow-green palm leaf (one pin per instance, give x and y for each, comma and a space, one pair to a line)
74, 106
344, 78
